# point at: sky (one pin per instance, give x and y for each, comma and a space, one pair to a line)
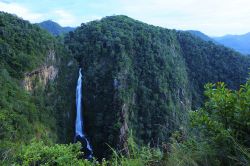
212, 17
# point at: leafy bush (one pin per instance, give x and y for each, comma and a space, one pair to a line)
191, 153
136, 155
37, 153
220, 130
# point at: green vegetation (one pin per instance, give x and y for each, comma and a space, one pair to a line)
23, 46
211, 139
145, 78
209, 63
39, 113
219, 132
137, 77
224, 123
23, 116
38, 153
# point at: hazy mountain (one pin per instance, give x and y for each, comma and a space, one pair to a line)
240, 43
200, 35
54, 28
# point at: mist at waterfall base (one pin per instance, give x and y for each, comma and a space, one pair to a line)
79, 124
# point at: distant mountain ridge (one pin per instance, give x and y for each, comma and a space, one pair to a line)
54, 28
200, 35
240, 43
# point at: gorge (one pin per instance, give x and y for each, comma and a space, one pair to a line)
139, 80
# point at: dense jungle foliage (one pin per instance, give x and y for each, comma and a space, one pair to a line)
208, 62
152, 77
140, 83
23, 45
217, 134
144, 76
39, 114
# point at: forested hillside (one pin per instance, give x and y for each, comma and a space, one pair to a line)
140, 83
208, 62
201, 35
135, 79
32, 71
144, 78
23, 46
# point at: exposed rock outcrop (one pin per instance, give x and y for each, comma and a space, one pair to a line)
42, 75
123, 136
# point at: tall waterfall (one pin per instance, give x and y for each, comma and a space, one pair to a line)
79, 124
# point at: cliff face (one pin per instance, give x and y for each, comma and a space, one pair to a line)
144, 79
54, 81
32, 60
134, 80
63, 97
42, 75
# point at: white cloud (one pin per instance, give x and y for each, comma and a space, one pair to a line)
65, 18
21, 11
91, 18
215, 17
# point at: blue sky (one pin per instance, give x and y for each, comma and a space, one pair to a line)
213, 17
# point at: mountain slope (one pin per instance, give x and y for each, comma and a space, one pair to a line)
209, 62
144, 78
136, 78
34, 75
54, 28
200, 35
237, 42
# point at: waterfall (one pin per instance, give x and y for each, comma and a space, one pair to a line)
79, 124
